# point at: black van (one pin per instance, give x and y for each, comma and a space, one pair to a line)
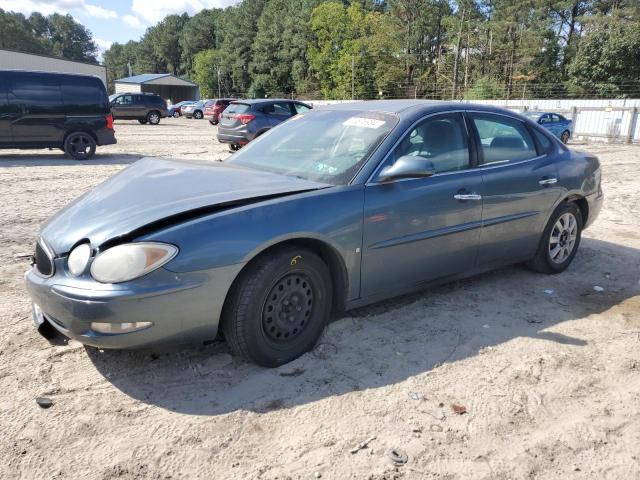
54, 110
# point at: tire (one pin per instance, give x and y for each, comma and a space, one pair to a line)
176, 114
548, 258
213, 122
142, 121
153, 117
197, 115
80, 146
234, 147
278, 307
564, 138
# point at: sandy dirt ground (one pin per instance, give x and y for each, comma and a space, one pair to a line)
547, 368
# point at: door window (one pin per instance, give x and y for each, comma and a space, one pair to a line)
441, 139
503, 139
299, 108
124, 100
280, 109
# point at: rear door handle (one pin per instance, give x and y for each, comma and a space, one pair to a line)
467, 196
548, 181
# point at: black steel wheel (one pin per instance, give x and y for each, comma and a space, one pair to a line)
278, 306
288, 308
80, 146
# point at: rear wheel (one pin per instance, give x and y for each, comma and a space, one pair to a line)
565, 136
153, 118
176, 114
80, 146
197, 114
142, 121
560, 240
279, 307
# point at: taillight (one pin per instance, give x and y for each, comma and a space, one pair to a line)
109, 119
245, 117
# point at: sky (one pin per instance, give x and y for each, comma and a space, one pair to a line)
114, 20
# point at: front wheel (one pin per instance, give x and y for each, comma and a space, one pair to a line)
565, 136
197, 115
213, 122
560, 240
176, 114
80, 146
279, 307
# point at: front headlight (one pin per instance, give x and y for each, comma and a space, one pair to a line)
78, 259
132, 260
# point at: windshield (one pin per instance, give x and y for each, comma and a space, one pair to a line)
112, 97
324, 146
533, 115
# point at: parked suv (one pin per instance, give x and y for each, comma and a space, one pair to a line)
244, 120
53, 110
144, 107
195, 110
213, 109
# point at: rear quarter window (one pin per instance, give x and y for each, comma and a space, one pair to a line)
237, 108
39, 92
84, 96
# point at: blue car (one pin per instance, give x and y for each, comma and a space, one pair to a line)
338, 207
555, 123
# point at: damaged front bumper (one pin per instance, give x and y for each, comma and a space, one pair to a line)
162, 307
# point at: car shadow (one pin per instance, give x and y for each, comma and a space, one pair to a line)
388, 342
57, 159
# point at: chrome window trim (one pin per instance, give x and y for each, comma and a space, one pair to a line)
489, 166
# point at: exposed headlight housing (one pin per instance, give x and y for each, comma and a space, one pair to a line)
79, 259
131, 260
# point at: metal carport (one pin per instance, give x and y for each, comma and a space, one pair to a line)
166, 85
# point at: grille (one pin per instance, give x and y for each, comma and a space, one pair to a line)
44, 264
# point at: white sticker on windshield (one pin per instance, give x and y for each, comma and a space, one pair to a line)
363, 122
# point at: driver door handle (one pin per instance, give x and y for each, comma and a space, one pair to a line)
467, 196
548, 181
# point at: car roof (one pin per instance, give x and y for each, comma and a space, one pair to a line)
255, 101
409, 106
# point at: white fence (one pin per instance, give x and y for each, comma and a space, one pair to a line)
614, 120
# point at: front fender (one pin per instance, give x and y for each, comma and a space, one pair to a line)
332, 216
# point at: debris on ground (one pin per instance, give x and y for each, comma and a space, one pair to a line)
598, 288
397, 457
44, 402
324, 350
293, 373
459, 409
549, 291
362, 445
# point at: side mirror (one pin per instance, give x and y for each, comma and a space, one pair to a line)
407, 166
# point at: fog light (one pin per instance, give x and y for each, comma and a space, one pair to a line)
115, 328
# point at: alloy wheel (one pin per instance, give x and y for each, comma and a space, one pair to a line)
80, 146
563, 237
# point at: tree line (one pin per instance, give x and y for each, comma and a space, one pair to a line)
57, 35
440, 49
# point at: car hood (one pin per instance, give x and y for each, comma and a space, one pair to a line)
153, 191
